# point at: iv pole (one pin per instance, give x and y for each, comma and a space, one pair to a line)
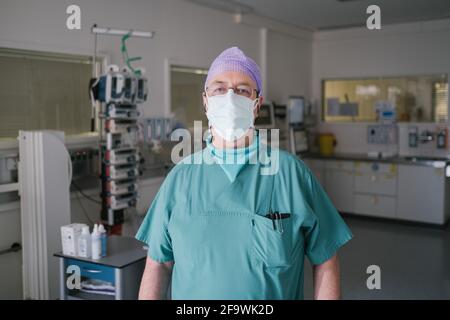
95, 71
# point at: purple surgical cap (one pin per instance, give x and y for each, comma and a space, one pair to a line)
233, 59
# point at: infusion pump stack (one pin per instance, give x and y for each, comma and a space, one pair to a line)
118, 92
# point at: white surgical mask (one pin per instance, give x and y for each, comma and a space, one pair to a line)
230, 115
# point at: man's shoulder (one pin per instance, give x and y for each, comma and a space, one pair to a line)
288, 159
291, 164
285, 155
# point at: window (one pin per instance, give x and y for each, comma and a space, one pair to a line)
187, 86
40, 90
415, 98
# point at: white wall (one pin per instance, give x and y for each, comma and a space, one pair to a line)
288, 66
405, 49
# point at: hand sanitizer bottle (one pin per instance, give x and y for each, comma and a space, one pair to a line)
96, 243
103, 238
84, 243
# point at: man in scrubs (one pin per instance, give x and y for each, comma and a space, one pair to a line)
221, 229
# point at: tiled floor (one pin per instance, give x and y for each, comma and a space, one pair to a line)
414, 261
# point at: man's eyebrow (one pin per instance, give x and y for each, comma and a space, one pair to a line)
217, 82
244, 83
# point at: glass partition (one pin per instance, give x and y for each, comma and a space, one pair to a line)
413, 98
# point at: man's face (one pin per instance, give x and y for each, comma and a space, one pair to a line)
241, 84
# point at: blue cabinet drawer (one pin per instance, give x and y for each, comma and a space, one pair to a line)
93, 270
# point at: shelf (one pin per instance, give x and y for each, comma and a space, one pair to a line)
79, 295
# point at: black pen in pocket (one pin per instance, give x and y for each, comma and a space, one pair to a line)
271, 216
277, 218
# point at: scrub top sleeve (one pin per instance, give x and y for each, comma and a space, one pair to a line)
327, 231
154, 229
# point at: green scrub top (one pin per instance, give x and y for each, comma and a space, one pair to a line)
215, 230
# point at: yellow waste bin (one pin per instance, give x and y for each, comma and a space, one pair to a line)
327, 142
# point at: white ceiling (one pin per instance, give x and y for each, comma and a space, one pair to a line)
331, 14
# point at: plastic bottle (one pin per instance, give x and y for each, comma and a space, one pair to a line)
103, 239
96, 243
84, 243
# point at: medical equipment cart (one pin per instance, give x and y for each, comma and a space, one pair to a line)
123, 267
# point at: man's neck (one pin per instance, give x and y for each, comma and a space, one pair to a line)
220, 143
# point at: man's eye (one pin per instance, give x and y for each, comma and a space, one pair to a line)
219, 91
243, 92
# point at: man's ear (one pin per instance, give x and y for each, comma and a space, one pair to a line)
258, 106
205, 102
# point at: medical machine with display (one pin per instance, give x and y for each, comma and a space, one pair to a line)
298, 140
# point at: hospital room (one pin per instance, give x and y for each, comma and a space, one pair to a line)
224, 150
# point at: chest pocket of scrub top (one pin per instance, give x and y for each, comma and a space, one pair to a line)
272, 247
273, 240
